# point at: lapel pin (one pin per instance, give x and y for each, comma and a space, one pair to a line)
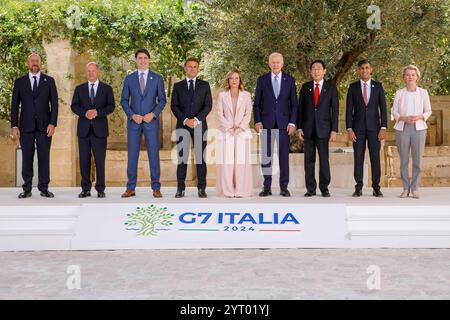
151, 78
310, 89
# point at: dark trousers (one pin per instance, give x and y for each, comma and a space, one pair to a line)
29, 142
269, 136
97, 146
184, 138
310, 146
359, 147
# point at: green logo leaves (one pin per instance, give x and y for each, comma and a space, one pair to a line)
148, 221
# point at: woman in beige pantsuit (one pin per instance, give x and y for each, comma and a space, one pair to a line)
234, 170
411, 110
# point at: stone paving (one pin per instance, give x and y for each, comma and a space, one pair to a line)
227, 274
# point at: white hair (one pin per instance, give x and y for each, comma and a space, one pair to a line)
275, 54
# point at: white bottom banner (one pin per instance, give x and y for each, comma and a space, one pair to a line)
216, 225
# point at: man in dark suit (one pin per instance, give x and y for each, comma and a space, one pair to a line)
191, 103
275, 109
92, 101
366, 119
317, 125
33, 94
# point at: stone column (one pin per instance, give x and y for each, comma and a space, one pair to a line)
61, 65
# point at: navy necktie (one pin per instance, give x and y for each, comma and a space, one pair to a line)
92, 96
191, 88
34, 84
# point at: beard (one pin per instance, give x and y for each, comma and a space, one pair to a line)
35, 69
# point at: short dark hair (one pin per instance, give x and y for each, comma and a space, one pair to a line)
363, 61
192, 59
317, 61
142, 50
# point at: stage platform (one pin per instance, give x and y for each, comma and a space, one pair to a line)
143, 222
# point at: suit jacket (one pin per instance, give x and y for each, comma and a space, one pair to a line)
227, 117
103, 103
35, 108
361, 118
200, 106
325, 118
422, 105
270, 110
153, 99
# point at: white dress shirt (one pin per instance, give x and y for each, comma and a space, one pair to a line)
368, 87
95, 87
31, 75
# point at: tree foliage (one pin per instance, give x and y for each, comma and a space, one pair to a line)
108, 30
242, 33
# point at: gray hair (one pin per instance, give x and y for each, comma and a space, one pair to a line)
93, 63
34, 54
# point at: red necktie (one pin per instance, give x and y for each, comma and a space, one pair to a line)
316, 95
366, 100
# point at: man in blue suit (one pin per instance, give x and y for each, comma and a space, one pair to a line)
366, 119
145, 89
275, 109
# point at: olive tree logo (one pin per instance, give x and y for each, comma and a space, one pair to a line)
146, 220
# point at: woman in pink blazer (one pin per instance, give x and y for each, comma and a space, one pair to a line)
411, 110
234, 170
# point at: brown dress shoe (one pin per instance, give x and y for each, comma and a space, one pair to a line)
128, 193
157, 193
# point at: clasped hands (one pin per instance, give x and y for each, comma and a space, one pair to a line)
145, 118
91, 114
235, 130
191, 123
412, 119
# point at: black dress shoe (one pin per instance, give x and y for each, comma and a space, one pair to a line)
326, 194
265, 192
101, 194
179, 194
25, 194
377, 193
202, 193
84, 194
285, 193
47, 194
310, 194
357, 193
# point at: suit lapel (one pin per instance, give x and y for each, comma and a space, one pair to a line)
99, 92
311, 93
372, 92
269, 83
148, 83
360, 93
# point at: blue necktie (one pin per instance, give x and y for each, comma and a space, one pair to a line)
92, 96
276, 87
191, 88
